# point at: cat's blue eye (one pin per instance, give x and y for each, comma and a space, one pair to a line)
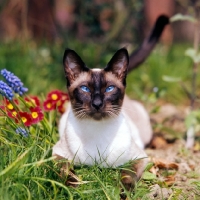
110, 88
85, 88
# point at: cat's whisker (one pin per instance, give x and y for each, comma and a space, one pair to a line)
81, 115
111, 113
116, 110
79, 111
78, 108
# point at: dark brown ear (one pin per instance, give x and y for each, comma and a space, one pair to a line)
73, 65
119, 63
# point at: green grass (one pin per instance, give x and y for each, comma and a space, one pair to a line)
27, 170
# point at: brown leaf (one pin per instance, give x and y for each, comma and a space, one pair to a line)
161, 164
170, 180
192, 167
158, 142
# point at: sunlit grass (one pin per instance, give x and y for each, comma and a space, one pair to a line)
29, 172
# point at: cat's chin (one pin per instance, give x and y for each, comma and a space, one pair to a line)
98, 116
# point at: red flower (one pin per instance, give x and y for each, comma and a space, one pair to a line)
25, 118
55, 99
36, 115
49, 105
33, 100
8, 105
54, 95
65, 96
61, 106
8, 109
13, 114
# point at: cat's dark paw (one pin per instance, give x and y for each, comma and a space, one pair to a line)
133, 173
128, 179
67, 173
72, 179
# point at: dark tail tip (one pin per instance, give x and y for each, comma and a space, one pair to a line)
161, 22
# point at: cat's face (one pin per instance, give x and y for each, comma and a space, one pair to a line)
96, 93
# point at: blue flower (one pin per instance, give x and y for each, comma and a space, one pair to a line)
14, 82
6, 91
22, 131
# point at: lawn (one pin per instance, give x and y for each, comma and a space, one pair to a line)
27, 170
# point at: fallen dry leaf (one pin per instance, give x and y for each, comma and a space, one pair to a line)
170, 180
158, 142
161, 164
192, 167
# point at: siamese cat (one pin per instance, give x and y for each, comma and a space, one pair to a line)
102, 125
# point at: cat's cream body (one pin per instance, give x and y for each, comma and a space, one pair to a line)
102, 125
110, 142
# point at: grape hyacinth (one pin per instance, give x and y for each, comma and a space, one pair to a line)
22, 131
6, 91
14, 82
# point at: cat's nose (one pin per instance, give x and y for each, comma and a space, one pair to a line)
97, 103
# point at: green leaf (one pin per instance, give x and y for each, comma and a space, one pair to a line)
14, 166
180, 17
149, 166
192, 119
148, 176
171, 79
193, 55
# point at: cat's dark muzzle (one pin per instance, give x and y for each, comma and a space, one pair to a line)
98, 114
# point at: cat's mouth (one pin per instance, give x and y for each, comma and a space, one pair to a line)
96, 114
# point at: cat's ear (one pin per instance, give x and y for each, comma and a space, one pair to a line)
119, 63
73, 65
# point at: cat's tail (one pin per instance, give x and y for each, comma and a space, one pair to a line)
140, 54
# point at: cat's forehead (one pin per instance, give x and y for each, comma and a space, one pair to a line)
100, 76
96, 77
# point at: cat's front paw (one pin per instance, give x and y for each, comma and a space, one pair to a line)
131, 174
67, 173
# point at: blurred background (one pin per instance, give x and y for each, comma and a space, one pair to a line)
35, 33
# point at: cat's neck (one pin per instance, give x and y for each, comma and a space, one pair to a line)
92, 122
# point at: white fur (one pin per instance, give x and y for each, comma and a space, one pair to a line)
109, 142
